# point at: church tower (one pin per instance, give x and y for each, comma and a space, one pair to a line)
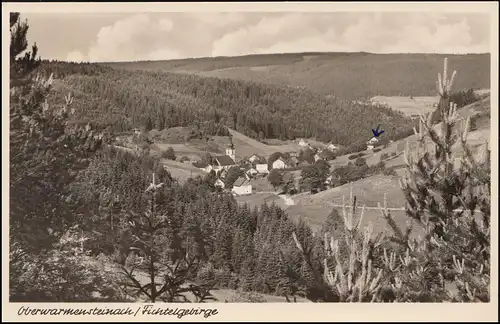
230, 151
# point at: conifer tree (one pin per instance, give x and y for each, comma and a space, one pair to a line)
450, 201
47, 152
170, 271
21, 67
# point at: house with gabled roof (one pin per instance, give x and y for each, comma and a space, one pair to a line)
262, 168
223, 162
371, 143
280, 163
242, 186
252, 172
203, 166
254, 158
302, 142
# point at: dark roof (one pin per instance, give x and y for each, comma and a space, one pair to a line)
200, 164
224, 160
239, 182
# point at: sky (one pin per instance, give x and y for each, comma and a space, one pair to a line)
108, 37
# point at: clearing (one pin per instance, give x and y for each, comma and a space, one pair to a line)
408, 105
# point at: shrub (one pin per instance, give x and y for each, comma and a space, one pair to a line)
360, 161
168, 154
352, 157
378, 168
464, 97
378, 149
65, 274
275, 178
384, 156
184, 159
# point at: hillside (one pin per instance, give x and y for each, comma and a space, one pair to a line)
123, 99
371, 190
345, 75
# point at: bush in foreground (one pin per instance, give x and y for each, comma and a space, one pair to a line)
451, 261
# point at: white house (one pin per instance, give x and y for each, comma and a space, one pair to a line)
219, 183
332, 147
252, 172
253, 158
279, 164
303, 143
262, 168
371, 143
242, 186
208, 168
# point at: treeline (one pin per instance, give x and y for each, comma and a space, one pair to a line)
61, 69
122, 100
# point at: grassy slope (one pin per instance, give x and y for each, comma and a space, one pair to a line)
346, 75
246, 146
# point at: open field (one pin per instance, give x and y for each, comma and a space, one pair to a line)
247, 146
369, 191
408, 105
181, 171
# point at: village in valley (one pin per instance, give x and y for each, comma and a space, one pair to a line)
278, 173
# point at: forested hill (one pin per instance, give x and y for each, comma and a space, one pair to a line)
125, 99
345, 75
